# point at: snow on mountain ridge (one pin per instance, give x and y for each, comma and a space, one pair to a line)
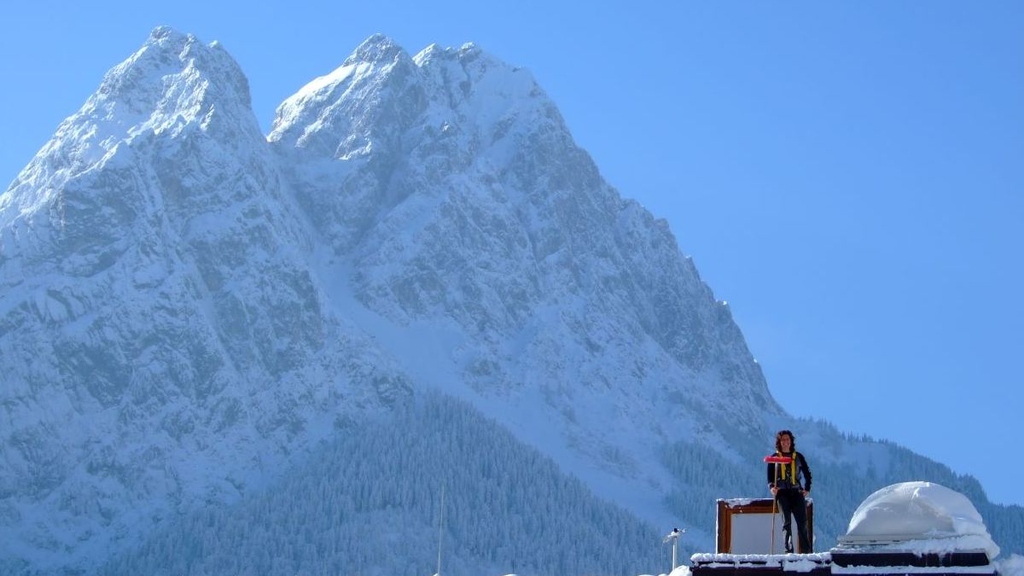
313, 116
129, 103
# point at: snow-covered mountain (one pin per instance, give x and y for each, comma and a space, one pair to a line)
190, 309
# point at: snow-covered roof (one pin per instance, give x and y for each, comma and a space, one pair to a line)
920, 517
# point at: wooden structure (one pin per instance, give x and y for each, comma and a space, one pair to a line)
745, 526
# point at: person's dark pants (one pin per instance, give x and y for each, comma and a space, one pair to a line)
792, 503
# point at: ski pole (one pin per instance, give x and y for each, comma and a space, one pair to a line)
775, 501
774, 459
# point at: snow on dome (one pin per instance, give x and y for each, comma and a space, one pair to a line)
927, 515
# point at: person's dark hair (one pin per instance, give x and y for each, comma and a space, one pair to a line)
778, 440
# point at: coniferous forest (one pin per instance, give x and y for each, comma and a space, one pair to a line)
370, 503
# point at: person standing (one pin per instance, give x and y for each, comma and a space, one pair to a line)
785, 484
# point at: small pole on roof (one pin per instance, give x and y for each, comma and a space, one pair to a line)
673, 537
440, 532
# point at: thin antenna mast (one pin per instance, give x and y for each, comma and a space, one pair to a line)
440, 531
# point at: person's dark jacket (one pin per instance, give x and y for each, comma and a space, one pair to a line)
789, 475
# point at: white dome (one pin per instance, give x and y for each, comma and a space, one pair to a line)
921, 512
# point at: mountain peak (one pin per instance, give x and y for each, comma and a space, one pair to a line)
174, 65
378, 48
165, 33
173, 82
468, 50
343, 101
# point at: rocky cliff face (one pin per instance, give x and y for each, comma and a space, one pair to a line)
185, 304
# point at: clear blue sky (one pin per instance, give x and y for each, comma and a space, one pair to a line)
849, 175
